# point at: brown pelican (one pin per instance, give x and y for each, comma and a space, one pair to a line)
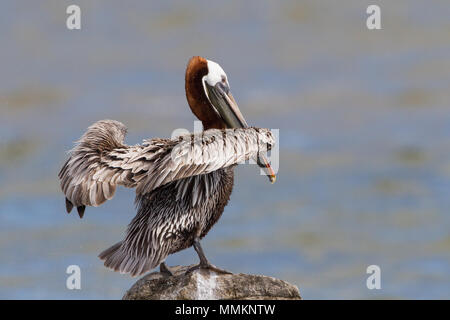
182, 184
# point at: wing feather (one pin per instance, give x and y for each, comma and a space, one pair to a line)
100, 160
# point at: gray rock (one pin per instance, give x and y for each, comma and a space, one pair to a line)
205, 284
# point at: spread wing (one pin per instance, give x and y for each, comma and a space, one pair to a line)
204, 152
100, 160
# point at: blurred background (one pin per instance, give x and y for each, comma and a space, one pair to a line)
364, 122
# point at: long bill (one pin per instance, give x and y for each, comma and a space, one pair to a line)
223, 102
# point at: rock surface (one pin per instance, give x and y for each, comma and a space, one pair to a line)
206, 285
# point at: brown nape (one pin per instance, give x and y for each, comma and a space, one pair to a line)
196, 69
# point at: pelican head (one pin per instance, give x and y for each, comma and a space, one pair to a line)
210, 99
217, 89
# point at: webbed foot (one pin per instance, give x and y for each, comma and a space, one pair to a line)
164, 269
204, 263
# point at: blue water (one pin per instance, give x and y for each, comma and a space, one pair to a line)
364, 122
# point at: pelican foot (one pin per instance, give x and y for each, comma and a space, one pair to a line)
165, 270
204, 263
208, 266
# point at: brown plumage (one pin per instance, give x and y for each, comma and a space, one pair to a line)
196, 96
182, 185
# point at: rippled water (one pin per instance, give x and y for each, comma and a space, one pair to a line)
364, 123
